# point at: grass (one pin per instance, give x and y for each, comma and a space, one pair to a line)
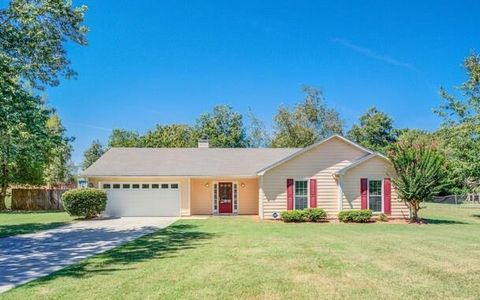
241, 257
16, 222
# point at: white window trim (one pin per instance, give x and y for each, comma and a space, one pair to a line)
215, 211
383, 195
308, 191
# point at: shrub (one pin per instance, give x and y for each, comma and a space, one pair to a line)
382, 217
314, 214
86, 203
355, 216
293, 216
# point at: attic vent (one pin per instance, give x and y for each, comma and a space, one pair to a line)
203, 142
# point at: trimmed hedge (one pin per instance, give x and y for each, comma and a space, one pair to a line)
292, 216
304, 215
314, 214
86, 203
355, 216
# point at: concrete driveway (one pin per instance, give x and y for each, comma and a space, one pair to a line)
27, 257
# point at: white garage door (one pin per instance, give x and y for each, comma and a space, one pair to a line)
142, 199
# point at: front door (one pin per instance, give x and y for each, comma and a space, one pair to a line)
225, 198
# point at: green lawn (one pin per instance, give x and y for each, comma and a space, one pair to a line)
13, 222
241, 257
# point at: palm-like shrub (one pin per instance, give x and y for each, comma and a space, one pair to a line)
420, 173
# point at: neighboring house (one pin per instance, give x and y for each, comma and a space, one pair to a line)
334, 174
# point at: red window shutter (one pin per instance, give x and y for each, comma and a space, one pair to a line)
313, 192
289, 194
387, 196
363, 193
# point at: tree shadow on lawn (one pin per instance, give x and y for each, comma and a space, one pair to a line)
15, 229
442, 221
162, 244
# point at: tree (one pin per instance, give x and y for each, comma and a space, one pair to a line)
24, 150
170, 136
93, 153
59, 166
257, 134
32, 38
223, 127
375, 131
460, 130
309, 122
420, 173
407, 135
124, 138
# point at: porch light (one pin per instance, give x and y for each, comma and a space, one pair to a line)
242, 185
206, 185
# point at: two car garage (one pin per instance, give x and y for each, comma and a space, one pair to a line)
133, 199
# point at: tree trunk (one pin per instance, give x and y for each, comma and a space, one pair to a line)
414, 207
3, 196
4, 185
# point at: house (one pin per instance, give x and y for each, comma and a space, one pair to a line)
334, 174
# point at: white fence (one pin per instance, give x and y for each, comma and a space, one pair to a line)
458, 199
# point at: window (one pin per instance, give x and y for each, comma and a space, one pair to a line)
106, 185
116, 185
301, 194
215, 197
174, 186
164, 186
126, 186
235, 197
145, 186
375, 195
135, 186
155, 185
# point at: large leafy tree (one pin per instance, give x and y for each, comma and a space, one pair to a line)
310, 121
375, 130
460, 130
124, 138
32, 54
92, 153
32, 38
420, 173
170, 136
223, 127
25, 139
59, 168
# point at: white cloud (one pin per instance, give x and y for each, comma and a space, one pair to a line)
372, 54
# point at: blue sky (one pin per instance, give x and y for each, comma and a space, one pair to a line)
152, 62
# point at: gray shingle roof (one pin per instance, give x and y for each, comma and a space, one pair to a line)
186, 161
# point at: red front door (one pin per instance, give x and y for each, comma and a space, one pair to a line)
225, 198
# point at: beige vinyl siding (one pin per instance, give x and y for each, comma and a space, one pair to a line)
182, 181
374, 168
320, 163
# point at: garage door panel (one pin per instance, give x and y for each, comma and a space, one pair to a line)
143, 203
